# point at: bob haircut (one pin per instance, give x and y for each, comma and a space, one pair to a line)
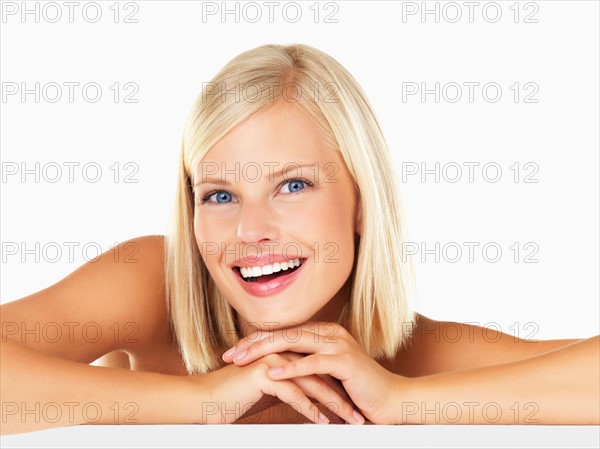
379, 313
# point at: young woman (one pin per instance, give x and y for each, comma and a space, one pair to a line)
282, 294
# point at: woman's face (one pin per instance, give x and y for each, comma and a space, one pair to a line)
252, 219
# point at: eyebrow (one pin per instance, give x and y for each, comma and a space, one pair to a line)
276, 175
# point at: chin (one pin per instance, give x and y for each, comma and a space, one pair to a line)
275, 321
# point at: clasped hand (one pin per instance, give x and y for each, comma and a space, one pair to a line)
326, 350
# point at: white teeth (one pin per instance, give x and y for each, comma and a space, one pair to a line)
268, 269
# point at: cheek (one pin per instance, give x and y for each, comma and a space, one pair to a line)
211, 227
335, 222
334, 232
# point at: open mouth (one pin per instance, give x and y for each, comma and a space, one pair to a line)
269, 272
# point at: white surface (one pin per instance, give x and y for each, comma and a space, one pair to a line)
332, 436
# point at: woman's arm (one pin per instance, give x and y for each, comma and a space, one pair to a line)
440, 346
557, 387
115, 303
40, 391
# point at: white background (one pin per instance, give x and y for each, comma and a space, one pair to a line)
171, 51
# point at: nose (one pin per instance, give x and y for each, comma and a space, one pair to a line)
255, 224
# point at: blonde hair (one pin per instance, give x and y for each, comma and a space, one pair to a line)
379, 315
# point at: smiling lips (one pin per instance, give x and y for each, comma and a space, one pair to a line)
250, 273
268, 274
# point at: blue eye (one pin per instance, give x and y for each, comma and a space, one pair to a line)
224, 197
295, 185
221, 197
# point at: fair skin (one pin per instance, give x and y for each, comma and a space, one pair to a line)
258, 214
143, 373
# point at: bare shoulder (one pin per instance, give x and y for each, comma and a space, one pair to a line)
115, 302
440, 346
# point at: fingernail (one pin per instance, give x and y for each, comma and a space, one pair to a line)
240, 356
275, 371
229, 352
358, 417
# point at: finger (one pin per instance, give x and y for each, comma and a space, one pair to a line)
320, 332
319, 389
336, 385
290, 393
337, 365
240, 350
244, 343
286, 335
331, 381
302, 341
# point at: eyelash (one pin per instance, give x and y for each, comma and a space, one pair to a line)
309, 184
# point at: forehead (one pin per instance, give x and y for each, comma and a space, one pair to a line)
281, 133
